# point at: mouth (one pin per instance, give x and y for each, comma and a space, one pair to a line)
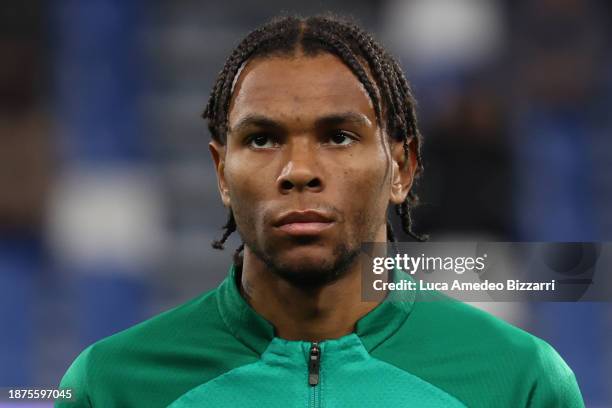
304, 223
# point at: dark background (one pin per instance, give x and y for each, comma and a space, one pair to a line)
108, 199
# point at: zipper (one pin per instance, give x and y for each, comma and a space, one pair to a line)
314, 364
314, 371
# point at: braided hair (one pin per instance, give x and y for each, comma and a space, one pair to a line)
390, 92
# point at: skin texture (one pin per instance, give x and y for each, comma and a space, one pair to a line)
303, 134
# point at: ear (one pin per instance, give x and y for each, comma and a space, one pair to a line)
217, 151
404, 170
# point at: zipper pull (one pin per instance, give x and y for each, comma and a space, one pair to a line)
314, 364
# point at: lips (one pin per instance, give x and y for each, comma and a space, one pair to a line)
308, 222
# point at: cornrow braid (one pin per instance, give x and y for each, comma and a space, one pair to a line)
390, 232
229, 227
385, 67
319, 37
278, 36
238, 256
405, 125
379, 73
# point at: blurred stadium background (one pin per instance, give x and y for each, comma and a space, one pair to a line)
108, 199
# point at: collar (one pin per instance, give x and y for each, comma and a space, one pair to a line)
256, 332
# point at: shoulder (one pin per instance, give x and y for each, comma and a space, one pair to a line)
446, 321
464, 327
554, 383
75, 380
130, 357
443, 338
170, 326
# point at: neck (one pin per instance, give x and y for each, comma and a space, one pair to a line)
312, 314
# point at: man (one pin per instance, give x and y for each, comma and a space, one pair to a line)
314, 135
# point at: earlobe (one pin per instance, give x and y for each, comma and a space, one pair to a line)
399, 188
404, 168
217, 151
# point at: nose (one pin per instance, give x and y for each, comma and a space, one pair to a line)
301, 170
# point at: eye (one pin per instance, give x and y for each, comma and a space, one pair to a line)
342, 138
261, 141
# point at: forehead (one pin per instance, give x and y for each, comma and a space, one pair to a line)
298, 87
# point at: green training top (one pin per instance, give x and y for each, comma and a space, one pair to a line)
415, 349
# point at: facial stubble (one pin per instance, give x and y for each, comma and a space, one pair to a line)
309, 275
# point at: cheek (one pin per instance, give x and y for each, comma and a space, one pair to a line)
367, 173
243, 181
251, 185
246, 195
365, 186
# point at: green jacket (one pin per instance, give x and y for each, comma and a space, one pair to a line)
413, 350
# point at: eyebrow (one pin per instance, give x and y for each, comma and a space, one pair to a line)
256, 120
334, 119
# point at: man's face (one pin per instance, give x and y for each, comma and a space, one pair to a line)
306, 169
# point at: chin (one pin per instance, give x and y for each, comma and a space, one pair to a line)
308, 267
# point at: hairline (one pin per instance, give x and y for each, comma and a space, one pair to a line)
298, 51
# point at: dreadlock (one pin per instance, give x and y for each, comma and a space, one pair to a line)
390, 92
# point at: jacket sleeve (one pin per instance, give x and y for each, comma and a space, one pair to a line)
76, 380
555, 384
